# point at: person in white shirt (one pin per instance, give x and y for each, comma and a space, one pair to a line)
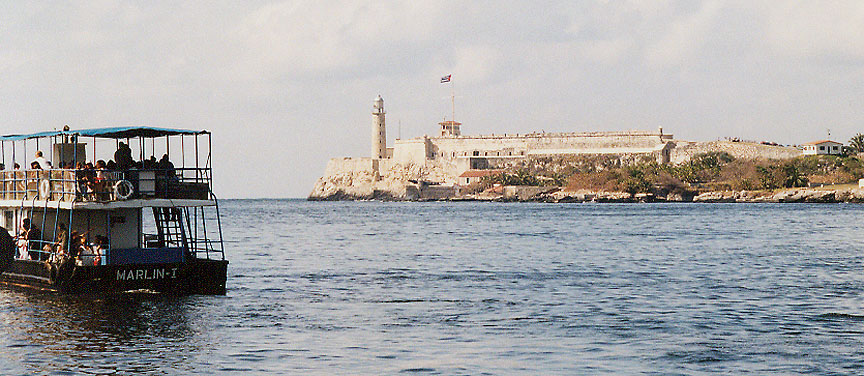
43, 163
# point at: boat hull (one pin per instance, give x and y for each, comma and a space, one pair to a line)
206, 277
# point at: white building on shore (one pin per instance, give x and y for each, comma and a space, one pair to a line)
823, 147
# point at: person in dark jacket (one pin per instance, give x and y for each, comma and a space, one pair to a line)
123, 157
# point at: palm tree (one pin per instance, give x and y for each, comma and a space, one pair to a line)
794, 177
857, 143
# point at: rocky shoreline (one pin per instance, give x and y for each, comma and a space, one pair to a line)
427, 183
796, 195
557, 195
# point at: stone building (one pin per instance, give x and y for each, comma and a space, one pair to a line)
457, 153
398, 171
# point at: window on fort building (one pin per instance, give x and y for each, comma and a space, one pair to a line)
835, 148
821, 148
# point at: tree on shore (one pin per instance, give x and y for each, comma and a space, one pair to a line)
793, 176
856, 143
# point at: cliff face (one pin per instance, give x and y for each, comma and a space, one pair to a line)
354, 181
359, 187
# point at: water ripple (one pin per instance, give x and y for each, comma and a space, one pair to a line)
482, 288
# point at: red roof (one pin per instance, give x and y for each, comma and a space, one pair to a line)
822, 142
479, 173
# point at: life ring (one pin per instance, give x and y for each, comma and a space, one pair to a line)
123, 189
44, 189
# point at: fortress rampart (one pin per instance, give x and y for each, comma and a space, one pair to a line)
403, 170
522, 145
684, 150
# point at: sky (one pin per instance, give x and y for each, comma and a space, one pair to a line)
286, 85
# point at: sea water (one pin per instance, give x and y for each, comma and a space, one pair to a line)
482, 288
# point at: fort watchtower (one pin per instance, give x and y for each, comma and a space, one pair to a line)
379, 132
450, 128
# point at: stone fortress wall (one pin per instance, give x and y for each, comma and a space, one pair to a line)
457, 154
403, 170
520, 145
684, 150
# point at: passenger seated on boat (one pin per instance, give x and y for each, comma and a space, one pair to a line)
91, 173
166, 165
58, 250
149, 163
123, 156
31, 237
81, 177
100, 248
111, 165
79, 249
35, 166
21, 246
166, 175
100, 179
101, 169
86, 175
21, 241
77, 242
88, 254
34, 238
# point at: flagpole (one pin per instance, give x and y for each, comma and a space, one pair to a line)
453, 102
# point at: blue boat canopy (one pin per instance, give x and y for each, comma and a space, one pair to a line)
113, 133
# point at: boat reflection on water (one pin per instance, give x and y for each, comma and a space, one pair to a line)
122, 333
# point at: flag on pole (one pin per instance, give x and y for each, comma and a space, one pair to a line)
445, 79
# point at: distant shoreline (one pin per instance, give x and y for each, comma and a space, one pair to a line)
556, 195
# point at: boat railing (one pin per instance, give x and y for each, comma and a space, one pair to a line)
207, 249
105, 185
93, 253
90, 253
199, 247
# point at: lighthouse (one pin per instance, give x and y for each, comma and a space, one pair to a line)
379, 133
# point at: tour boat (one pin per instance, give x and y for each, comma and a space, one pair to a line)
93, 211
